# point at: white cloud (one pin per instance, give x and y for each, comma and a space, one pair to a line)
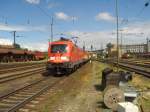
137, 28
5, 41
105, 16
33, 1
97, 39
63, 16
39, 46
4, 27
36, 46
134, 33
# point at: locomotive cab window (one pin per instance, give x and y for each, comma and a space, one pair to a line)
61, 48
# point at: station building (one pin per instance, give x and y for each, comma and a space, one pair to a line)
136, 48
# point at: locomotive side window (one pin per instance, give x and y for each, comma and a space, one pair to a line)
61, 48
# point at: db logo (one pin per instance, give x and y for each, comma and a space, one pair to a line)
57, 58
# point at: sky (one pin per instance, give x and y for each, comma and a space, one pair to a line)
93, 21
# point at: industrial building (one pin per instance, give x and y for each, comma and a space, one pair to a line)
136, 48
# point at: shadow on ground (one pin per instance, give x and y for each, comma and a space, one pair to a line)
46, 74
98, 87
101, 105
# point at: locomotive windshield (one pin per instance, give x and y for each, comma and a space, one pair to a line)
61, 48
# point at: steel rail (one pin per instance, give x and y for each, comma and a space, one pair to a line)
31, 88
7, 70
128, 62
131, 67
138, 64
135, 69
20, 75
16, 107
10, 93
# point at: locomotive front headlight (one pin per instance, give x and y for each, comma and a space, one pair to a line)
51, 58
65, 58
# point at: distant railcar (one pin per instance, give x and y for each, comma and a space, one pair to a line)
39, 55
126, 56
64, 56
11, 54
144, 55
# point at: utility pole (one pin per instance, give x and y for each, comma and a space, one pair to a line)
148, 45
84, 45
121, 44
117, 35
14, 34
52, 30
101, 46
91, 47
73, 19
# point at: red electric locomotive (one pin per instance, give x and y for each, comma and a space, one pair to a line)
64, 56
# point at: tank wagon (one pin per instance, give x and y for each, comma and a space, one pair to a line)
65, 57
11, 54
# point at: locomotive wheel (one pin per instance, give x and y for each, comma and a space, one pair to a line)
74, 69
68, 71
113, 95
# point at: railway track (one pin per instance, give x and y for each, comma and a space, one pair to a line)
19, 68
14, 100
9, 77
136, 69
25, 69
139, 69
139, 63
17, 64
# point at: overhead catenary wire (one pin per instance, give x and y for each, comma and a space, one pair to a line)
127, 21
52, 20
44, 12
146, 4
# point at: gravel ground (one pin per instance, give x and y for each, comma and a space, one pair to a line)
81, 93
142, 84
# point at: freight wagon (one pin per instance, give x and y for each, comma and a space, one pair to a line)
11, 54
